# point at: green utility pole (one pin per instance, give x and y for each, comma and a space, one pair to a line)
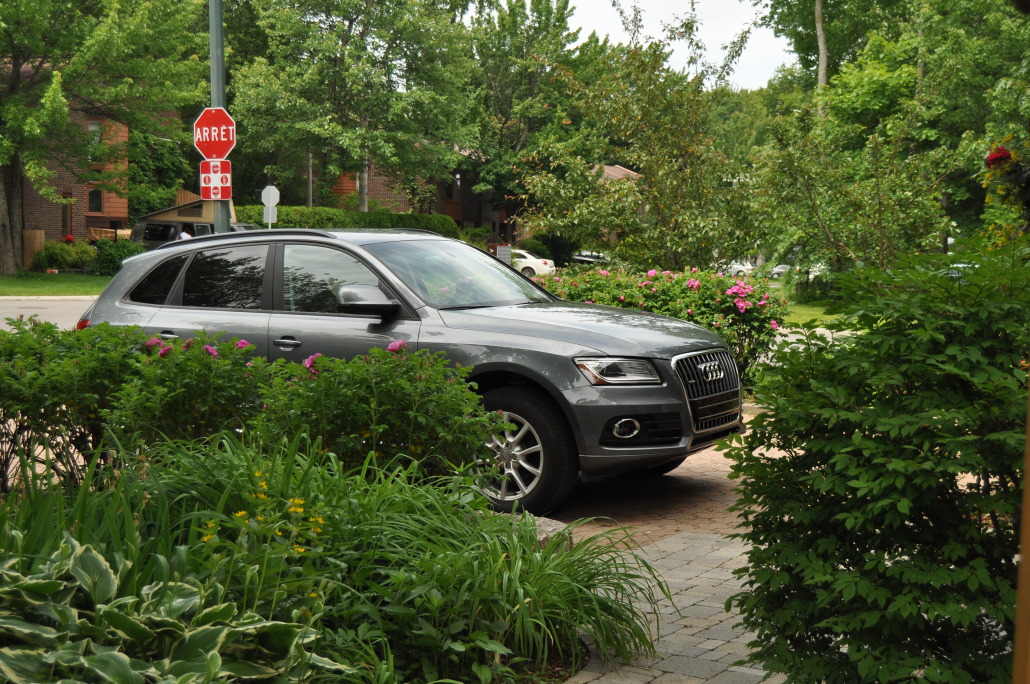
215, 30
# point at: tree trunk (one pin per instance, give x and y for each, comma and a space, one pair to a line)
820, 36
10, 225
363, 187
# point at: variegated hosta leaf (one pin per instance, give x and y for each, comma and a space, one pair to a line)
95, 574
14, 630
22, 665
126, 626
171, 599
220, 613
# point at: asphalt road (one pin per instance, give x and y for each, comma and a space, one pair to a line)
62, 311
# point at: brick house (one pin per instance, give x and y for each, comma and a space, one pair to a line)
453, 199
92, 207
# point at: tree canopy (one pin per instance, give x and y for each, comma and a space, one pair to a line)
129, 61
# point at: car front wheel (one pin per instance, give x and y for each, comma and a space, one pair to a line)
536, 463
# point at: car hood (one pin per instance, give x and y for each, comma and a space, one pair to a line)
608, 329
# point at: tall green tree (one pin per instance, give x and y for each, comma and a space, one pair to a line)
131, 61
357, 83
652, 119
826, 33
522, 48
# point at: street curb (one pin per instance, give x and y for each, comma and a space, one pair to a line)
48, 298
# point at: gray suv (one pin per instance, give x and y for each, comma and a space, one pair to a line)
593, 391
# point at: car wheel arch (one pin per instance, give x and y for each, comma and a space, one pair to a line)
499, 379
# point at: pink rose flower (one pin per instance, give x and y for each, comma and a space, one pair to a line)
396, 346
164, 351
652, 273
242, 344
774, 324
152, 342
309, 362
211, 350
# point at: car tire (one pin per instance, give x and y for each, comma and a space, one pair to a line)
537, 464
528, 272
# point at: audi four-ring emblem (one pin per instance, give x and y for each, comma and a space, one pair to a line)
711, 371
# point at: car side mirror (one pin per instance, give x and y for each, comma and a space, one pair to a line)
365, 299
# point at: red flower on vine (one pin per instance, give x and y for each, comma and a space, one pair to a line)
69, 238
999, 157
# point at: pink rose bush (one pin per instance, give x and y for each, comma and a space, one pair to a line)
741, 310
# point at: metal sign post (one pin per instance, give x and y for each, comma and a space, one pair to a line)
214, 7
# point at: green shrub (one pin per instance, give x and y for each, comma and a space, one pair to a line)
389, 404
111, 253
881, 489
186, 389
54, 386
328, 217
373, 578
731, 307
63, 256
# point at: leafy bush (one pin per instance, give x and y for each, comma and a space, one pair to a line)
111, 253
62, 256
392, 404
729, 306
186, 389
54, 386
881, 489
368, 579
328, 217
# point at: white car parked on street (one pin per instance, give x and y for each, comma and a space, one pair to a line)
530, 265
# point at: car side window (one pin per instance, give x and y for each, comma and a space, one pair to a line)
312, 275
156, 285
226, 278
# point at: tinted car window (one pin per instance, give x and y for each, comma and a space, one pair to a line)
156, 285
312, 275
227, 278
160, 231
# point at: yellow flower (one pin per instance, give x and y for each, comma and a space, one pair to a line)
258, 473
298, 549
207, 537
240, 514
296, 502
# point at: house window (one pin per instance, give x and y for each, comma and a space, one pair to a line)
95, 201
96, 132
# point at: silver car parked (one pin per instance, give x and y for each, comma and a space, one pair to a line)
593, 391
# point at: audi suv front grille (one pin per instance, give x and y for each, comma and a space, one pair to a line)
713, 390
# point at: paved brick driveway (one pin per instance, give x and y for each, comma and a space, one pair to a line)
681, 522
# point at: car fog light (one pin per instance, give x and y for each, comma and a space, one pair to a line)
626, 428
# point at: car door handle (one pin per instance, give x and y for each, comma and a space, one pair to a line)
167, 335
286, 342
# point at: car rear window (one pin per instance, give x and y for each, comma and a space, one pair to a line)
226, 278
156, 285
159, 231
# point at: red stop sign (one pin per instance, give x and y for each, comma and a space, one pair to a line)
214, 133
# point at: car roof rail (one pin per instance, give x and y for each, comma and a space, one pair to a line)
249, 233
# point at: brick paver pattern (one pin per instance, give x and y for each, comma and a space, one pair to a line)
681, 522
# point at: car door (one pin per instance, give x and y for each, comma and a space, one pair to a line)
224, 289
305, 320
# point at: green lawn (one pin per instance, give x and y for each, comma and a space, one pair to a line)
32, 284
802, 313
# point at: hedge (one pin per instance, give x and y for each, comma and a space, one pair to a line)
328, 217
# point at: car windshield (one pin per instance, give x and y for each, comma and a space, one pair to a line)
453, 275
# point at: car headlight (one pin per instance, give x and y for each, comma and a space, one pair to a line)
613, 371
